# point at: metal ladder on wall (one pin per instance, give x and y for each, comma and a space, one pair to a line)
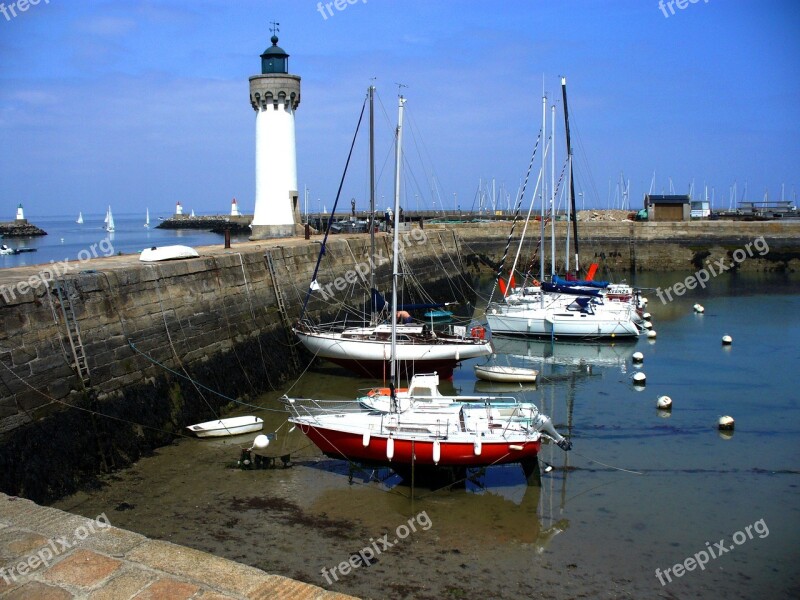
81, 366
287, 323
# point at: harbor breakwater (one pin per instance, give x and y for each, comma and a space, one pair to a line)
101, 366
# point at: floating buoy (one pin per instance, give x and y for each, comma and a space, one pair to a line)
647, 325
651, 334
637, 357
726, 339
725, 423
646, 315
644, 301
639, 378
698, 308
437, 452
261, 442
390, 448
664, 403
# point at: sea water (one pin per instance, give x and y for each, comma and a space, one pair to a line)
70, 241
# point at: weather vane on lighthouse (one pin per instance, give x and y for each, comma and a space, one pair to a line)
275, 27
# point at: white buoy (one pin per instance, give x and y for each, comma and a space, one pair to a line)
637, 357
664, 403
726, 339
390, 448
639, 378
365, 439
647, 315
651, 334
725, 423
261, 442
644, 301
437, 452
647, 325
698, 308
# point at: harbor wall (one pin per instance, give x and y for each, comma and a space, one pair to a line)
170, 344
166, 345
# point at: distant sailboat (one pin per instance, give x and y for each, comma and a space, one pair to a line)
147, 218
109, 221
80, 218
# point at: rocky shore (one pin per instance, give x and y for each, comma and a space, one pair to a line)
23, 229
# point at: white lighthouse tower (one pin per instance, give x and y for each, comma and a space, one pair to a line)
275, 95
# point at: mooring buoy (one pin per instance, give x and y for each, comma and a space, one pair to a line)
637, 357
664, 403
726, 423
727, 340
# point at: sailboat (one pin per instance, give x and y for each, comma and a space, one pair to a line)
80, 218
147, 218
563, 308
424, 429
109, 221
365, 349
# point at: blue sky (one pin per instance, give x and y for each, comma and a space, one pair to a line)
145, 103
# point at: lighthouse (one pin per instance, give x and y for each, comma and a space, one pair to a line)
275, 95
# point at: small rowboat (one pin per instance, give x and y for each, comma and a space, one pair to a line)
230, 426
505, 374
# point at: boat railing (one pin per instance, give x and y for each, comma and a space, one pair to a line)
309, 407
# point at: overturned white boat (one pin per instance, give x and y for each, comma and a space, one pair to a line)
226, 427
159, 253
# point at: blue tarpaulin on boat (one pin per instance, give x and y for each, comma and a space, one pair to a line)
580, 283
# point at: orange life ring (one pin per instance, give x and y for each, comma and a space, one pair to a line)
536, 283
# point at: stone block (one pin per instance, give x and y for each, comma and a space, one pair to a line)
82, 568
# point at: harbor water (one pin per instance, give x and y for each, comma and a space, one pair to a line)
69, 242
648, 504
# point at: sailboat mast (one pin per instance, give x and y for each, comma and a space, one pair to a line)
396, 245
553, 192
544, 185
571, 179
373, 316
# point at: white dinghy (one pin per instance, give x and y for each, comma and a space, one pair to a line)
224, 427
505, 374
159, 253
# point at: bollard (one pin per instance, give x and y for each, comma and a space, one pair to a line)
308, 231
227, 237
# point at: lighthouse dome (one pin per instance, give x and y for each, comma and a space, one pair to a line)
274, 59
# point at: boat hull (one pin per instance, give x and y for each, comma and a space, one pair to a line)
503, 374
350, 446
568, 324
227, 427
371, 357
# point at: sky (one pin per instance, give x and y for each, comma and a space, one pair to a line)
143, 103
